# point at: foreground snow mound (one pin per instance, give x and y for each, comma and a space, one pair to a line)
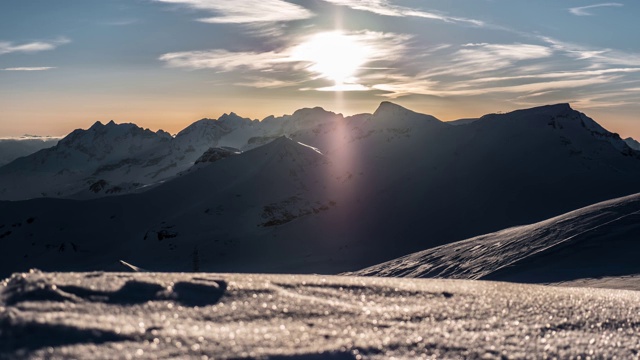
596, 241
227, 316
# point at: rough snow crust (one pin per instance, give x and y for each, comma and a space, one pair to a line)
589, 243
197, 315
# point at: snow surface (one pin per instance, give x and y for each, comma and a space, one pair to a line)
231, 316
577, 248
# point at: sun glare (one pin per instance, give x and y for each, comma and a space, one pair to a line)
334, 56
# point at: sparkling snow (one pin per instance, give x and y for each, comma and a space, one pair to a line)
204, 316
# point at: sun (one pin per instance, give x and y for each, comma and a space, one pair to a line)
333, 55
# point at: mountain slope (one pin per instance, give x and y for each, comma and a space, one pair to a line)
221, 210
634, 144
77, 161
11, 149
592, 242
372, 188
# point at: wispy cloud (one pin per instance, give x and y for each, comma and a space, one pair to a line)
246, 11
223, 60
41, 68
32, 47
516, 71
299, 62
383, 7
28, 137
597, 57
584, 10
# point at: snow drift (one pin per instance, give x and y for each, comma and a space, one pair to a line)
601, 240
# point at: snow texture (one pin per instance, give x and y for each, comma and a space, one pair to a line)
578, 248
227, 316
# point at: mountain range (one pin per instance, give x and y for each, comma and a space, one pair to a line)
13, 148
309, 192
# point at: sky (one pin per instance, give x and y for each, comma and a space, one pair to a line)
163, 64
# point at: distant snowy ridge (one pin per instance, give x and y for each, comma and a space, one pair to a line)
78, 161
121, 155
13, 148
634, 144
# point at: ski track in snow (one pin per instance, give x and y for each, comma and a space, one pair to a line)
232, 316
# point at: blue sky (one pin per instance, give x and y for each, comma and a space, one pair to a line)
165, 63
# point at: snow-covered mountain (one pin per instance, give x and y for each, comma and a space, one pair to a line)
115, 159
633, 143
11, 149
78, 161
600, 240
338, 194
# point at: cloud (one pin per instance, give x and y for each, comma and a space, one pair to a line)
32, 47
266, 83
383, 7
584, 10
246, 11
344, 87
396, 65
42, 68
299, 62
597, 57
474, 59
557, 75
223, 60
28, 137
516, 71
422, 87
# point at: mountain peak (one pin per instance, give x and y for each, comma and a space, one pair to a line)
311, 111
391, 111
548, 110
233, 119
388, 106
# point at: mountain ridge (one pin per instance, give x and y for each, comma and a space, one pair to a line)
587, 243
335, 194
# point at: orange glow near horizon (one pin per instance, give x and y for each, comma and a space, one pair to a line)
55, 116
